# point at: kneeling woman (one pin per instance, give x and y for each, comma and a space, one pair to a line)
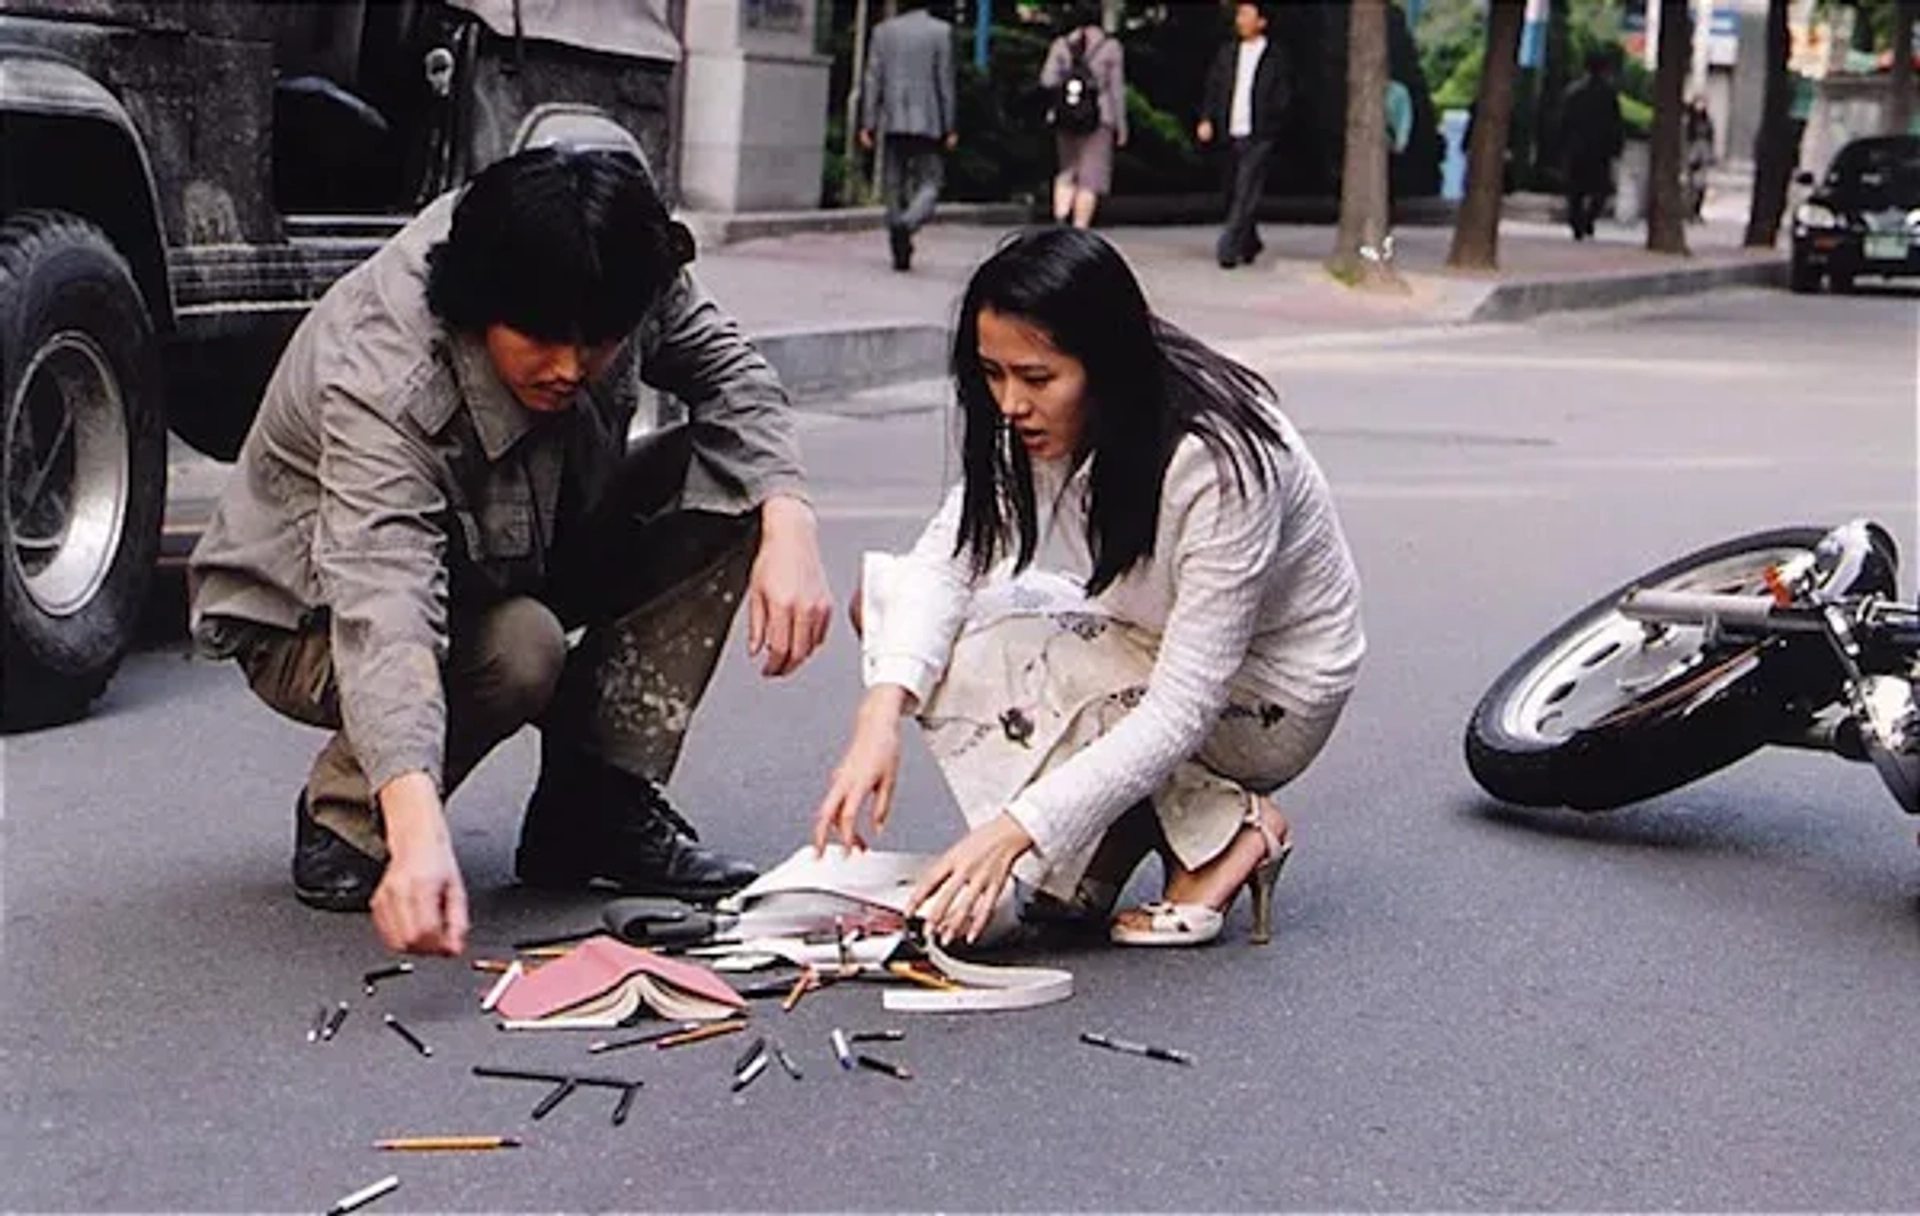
1133, 621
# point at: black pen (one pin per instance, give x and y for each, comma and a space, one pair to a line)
786, 1061
394, 1025
1136, 1049
599, 1046
754, 1049
877, 1036
556, 939
891, 1069
333, 1023
373, 978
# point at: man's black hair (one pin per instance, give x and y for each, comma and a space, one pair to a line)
1600, 62
562, 245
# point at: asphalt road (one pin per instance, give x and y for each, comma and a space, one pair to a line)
1705, 1002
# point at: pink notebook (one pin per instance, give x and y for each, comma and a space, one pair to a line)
594, 976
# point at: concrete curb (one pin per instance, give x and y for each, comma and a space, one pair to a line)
817, 362
1523, 301
713, 229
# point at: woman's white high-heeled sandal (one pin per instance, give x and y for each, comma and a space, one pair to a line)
1170, 924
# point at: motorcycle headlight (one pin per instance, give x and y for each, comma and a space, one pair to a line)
1815, 215
1913, 218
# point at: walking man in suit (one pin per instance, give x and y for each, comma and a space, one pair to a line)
908, 100
1246, 96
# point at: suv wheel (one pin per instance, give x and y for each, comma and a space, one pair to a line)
85, 470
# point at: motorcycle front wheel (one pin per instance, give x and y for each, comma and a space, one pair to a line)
1605, 711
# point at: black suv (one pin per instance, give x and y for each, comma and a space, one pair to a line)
1864, 217
179, 181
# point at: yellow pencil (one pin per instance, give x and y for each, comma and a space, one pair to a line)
713, 1031
444, 1144
908, 971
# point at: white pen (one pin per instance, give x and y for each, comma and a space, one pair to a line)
513, 972
365, 1195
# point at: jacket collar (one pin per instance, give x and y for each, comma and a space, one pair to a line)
498, 417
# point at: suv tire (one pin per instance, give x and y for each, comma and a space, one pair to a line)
84, 464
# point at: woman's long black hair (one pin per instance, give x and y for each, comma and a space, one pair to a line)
1149, 384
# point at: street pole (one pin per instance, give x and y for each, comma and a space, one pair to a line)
982, 32
854, 87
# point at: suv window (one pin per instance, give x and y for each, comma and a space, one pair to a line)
1880, 164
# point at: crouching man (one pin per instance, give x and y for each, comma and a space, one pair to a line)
438, 492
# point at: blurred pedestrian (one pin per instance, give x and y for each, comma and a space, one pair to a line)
1085, 75
1245, 99
908, 100
1593, 136
1699, 136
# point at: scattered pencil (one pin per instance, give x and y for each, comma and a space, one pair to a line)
365, 1195
800, 988
492, 966
371, 980
319, 1024
413, 1039
446, 1144
700, 1035
332, 1027
926, 979
841, 1051
640, 1040
884, 1066
513, 972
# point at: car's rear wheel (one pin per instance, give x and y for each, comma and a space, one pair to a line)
85, 469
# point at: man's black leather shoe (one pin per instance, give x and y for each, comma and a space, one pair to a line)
328, 873
591, 825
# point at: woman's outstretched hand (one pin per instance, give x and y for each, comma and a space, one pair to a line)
957, 894
865, 776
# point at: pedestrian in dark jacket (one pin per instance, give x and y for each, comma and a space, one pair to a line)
1592, 136
438, 491
1245, 100
908, 100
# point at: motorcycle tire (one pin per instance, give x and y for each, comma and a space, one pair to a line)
1603, 712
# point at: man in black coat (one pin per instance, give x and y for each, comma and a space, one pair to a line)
1246, 96
1593, 136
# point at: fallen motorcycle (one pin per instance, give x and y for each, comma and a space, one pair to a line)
1790, 638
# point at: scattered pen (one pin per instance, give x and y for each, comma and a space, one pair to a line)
786, 1062
333, 1022
754, 1051
556, 939
640, 1040
877, 1036
841, 1051
446, 1144
319, 1024
1136, 1049
395, 1025
371, 979
625, 1104
513, 972
801, 986
365, 1195
751, 1073
555, 1097
884, 1066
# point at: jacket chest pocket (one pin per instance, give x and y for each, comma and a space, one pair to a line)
498, 532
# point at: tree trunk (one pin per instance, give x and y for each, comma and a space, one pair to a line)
1667, 206
1774, 154
1900, 96
1476, 233
1362, 250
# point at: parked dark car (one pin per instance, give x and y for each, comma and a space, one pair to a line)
1863, 218
179, 181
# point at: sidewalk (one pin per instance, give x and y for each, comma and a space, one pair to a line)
836, 290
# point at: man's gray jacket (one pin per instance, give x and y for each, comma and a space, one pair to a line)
909, 83
391, 479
